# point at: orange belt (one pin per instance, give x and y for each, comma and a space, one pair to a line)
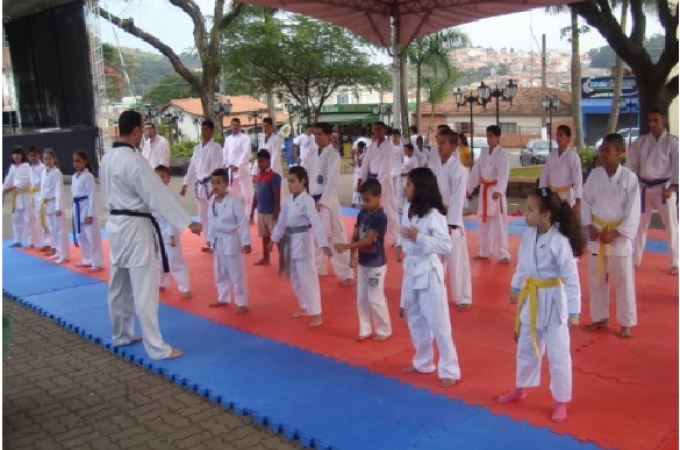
485, 187
560, 190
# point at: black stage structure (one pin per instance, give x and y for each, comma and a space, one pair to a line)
50, 53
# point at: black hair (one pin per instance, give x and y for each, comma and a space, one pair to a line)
413, 129
494, 129
371, 186
162, 168
326, 128
301, 174
380, 124
656, 111
562, 213
452, 135
150, 124
268, 120
263, 153
409, 145
128, 121
419, 138
208, 123
363, 131
80, 153
462, 137
237, 120
361, 144
443, 127
222, 173
396, 131
53, 154
565, 129
616, 140
18, 150
426, 193
33, 149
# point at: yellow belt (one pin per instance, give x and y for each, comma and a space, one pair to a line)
605, 226
43, 205
16, 192
530, 291
33, 190
560, 190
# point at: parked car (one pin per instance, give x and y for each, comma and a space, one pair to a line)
627, 133
535, 152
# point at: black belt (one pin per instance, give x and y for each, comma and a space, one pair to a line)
154, 222
453, 227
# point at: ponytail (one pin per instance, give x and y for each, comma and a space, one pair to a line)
570, 227
82, 155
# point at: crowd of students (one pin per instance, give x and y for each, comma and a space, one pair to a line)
429, 188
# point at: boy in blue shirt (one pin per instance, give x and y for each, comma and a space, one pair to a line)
368, 240
267, 201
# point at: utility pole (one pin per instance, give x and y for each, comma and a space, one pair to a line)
543, 80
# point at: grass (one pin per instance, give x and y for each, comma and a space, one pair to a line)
534, 171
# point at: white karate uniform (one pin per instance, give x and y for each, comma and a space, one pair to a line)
305, 144
237, 153
176, 263
19, 176
397, 163
324, 179
541, 257
206, 158
300, 211
229, 233
356, 196
452, 182
423, 296
422, 155
37, 235
653, 160
272, 144
612, 199
156, 152
52, 189
493, 233
90, 235
562, 172
128, 183
378, 164
408, 165
434, 159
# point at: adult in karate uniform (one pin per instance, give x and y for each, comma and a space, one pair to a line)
273, 144
236, 158
324, 178
654, 158
562, 171
156, 149
130, 190
206, 158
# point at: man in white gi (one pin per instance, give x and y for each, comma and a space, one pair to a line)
324, 178
562, 171
378, 164
156, 149
130, 191
302, 145
654, 158
491, 171
236, 157
414, 135
273, 144
397, 159
610, 212
207, 157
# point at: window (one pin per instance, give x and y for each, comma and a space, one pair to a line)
508, 128
342, 99
463, 127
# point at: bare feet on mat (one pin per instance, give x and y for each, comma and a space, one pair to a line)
51, 252
187, 295
625, 333
505, 261
516, 395
673, 271
559, 413
409, 369
299, 313
347, 282
447, 382
16, 245
31, 247
218, 304
206, 249
315, 322
360, 337
79, 265
242, 310
380, 337
262, 262
135, 338
45, 248
480, 258
599, 325
175, 353
95, 269
463, 307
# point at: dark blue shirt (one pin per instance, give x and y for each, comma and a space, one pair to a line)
266, 183
372, 255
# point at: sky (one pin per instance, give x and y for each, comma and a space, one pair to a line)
174, 27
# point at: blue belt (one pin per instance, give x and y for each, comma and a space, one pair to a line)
317, 198
75, 218
204, 184
644, 184
372, 175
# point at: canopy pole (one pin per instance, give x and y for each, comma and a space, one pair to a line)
396, 73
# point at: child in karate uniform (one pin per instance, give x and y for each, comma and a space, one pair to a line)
410, 163
369, 240
562, 172
173, 247
610, 210
358, 158
424, 238
229, 239
52, 210
37, 235
18, 183
546, 284
296, 247
85, 215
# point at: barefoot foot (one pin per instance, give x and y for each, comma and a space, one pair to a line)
447, 382
625, 333
299, 313
516, 395
315, 322
187, 295
559, 413
218, 304
262, 262
360, 337
242, 310
463, 307
599, 325
480, 258
673, 271
505, 261
175, 353
380, 337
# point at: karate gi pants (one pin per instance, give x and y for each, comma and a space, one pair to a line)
554, 338
493, 237
202, 204
669, 216
427, 314
20, 224
230, 278
339, 261
389, 206
458, 267
36, 235
58, 235
397, 191
371, 301
620, 272
178, 268
135, 290
90, 242
305, 284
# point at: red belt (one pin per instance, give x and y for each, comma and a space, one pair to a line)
485, 187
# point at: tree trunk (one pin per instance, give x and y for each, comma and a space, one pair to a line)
650, 96
404, 91
577, 115
419, 87
271, 107
618, 78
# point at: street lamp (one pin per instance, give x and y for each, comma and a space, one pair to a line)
507, 94
150, 112
174, 119
550, 103
383, 110
482, 98
630, 105
255, 115
222, 109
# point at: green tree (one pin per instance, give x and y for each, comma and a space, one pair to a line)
172, 86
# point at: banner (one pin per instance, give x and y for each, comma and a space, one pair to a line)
603, 87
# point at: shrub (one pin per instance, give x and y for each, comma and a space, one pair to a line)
183, 149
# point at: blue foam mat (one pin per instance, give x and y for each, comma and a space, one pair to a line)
323, 402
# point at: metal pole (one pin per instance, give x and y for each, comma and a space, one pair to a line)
472, 130
498, 114
550, 127
543, 78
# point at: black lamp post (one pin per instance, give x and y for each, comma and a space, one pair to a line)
293, 109
507, 94
482, 98
255, 115
630, 105
150, 112
174, 118
222, 109
550, 103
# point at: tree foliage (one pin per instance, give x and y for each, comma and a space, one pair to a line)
605, 58
172, 86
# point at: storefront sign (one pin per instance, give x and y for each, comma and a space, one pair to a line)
597, 87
